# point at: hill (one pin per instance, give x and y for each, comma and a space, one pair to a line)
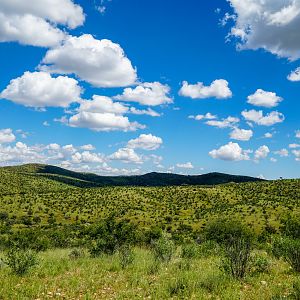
151, 179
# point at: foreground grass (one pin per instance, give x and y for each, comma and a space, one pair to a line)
59, 277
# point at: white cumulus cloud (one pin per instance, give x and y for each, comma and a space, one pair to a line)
230, 152
265, 99
6, 136
261, 153
272, 25
225, 123
103, 122
39, 89
241, 134
36, 24
187, 165
294, 75
267, 120
101, 63
218, 89
148, 93
145, 142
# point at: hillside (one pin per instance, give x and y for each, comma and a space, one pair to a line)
150, 179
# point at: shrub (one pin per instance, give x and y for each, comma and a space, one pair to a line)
103, 246
109, 235
189, 250
291, 226
180, 287
289, 250
20, 261
209, 248
163, 249
237, 257
222, 230
260, 263
126, 255
76, 253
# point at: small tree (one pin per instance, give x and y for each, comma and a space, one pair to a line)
237, 256
20, 261
163, 248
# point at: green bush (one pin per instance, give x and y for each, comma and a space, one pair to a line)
109, 235
290, 226
181, 287
163, 248
126, 255
289, 250
222, 230
77, 253
259, 263
237, 257
20, 261
189, 250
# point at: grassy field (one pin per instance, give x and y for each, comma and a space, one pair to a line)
57, 218
59, 277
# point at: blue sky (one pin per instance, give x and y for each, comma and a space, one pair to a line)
127, 87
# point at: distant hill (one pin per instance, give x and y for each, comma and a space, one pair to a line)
151, 179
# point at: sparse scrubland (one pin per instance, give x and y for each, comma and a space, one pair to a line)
231, 241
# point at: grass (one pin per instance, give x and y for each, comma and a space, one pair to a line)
59, 277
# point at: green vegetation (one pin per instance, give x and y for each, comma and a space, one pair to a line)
62, 239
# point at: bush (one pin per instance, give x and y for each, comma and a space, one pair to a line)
103, 246
289, 250
222, 230
189, 250
209, 248
181, 287
237, 257
109, 235
259, 263
163, 249
76, 253
291, 226
126, 255
20, 261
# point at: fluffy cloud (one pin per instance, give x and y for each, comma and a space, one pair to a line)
294, 146
270, 25
102, 104
103, 122
147, 93
39, 89
241, 134
6, 136
225, 123
295, 75
297, 154
282, 152
148, 111
36, 24
145, 142
298, 134
265, 99
218, 89
187, 165
102, 63
258, 117
268, 135
207, 116
261, 153
126, 155
230, 152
